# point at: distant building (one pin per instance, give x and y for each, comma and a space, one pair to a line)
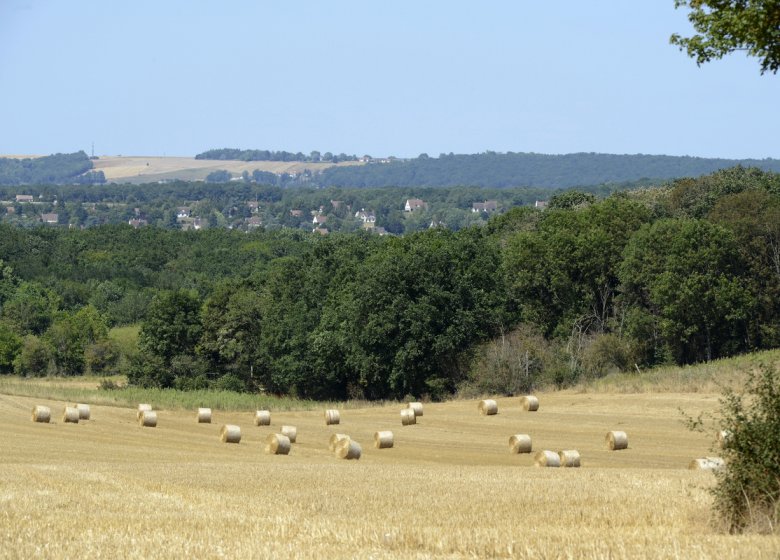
24, 198
182, 212
50, 218
320, 230
137, 222
253, 206
296, 213
319, 219
488, 206
413, 204
540, 204
336, 204
366, 217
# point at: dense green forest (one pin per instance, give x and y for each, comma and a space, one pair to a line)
684, 273
501, 170
54, 169
270, 155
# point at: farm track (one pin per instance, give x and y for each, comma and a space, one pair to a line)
448, 488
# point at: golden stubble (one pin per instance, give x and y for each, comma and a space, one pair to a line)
448, 488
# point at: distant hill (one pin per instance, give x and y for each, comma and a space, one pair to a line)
54, 169
528, 170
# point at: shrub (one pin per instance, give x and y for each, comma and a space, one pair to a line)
747, 494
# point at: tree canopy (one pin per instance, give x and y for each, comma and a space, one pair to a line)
725, 26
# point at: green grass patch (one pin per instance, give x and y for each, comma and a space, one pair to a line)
87, 390
126, 338
710, 377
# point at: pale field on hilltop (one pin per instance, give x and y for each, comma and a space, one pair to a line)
448, 488
153, 168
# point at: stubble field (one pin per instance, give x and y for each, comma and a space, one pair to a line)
449, 488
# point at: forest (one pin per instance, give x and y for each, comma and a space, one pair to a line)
683, 273
53, 169
502, 170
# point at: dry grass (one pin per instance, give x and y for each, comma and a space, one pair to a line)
73, 490
153, 168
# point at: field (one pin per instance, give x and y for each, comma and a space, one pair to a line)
137, 169
449, 488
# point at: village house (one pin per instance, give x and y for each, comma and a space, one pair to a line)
137, 222
253, 206
50, 218
24, 198
488, 206
254, 222
413, 204
182, 212
319, 219
366, 217
540, 204
336, 204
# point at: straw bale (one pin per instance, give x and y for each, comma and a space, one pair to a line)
488, 407
334, 441
348, 449
230, 433
70, 414
204, 416
616, 440
277, 444
408, 417
724, 439
148, 418
83, 411
291, 432
530, 403
141, 409
569, 458
520, 443
383, 440
417, 407
707, 463
41, 414
332, 416
547, 459
262, 418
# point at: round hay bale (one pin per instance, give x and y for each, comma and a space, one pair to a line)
262, 418
332, 416
408, 417
383, 440
277, 444
520, 443
616, 440
230, 433
148, 418
291, 432
70, 415
204, 416
569, 458
547, 459
707, 463
141, 409
417, 407
83, 411
488, 407
530, 403
724, 438
334, 441
348, 449
41, 414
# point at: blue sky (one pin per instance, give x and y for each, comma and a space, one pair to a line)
170, 77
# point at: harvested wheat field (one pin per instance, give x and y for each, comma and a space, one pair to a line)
448, 488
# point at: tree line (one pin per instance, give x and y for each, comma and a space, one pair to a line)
680, 274
53, 169
270, 155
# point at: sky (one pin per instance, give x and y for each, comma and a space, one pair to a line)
171, 77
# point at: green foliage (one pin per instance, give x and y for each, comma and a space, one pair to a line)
10, 346
172, 326
269, 155
36, 358
725, 26
685, 279
57, 168
747, 496
218, 176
